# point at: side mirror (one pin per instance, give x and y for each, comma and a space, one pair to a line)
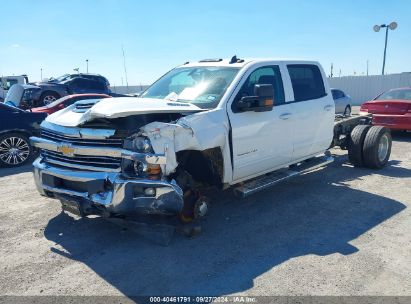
261, 102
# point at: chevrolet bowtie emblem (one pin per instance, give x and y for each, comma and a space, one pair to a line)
66, 150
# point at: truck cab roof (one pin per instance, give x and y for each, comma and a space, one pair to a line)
241, 62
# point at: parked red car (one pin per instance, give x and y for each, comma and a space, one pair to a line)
67, 101
391, 109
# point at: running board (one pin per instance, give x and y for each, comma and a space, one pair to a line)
263, 182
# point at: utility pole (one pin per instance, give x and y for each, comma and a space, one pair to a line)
125, 68
332, 67
367, 67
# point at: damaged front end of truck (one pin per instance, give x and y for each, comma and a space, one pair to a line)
131, 156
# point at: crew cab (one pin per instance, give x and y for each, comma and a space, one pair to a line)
215, 123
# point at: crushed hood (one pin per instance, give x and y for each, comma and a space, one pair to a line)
111, 108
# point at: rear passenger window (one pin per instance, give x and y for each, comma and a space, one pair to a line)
307, 81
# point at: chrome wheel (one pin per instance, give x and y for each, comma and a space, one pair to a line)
49, 99
14, 150
383, 148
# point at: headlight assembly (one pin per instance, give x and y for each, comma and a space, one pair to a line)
137, 167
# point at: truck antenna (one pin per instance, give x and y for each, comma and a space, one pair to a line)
233, 59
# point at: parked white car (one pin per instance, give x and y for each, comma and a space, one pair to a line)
7, 81
342, 102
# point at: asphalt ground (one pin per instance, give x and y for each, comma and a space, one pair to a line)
336, 231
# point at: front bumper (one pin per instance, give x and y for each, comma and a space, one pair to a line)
108, 193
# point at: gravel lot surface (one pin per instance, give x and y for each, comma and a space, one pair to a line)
337, 231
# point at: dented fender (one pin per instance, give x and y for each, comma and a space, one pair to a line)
199, 131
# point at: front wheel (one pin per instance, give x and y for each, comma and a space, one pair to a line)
15, 150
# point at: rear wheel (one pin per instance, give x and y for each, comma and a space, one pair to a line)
355, 145
377, 147
15, 150
48, 97
347, 111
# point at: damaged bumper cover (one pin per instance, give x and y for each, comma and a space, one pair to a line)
108, 192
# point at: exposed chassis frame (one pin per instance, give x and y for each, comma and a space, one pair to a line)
343, 127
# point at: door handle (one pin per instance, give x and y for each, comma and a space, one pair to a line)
328, 107
285, 116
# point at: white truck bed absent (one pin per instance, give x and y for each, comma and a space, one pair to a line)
212, 124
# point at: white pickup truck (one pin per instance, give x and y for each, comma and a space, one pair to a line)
246, 124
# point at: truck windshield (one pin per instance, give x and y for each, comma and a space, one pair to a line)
201, 86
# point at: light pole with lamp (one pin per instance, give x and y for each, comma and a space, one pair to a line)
87, 64
392, 26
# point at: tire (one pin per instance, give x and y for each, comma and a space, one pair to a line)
347, 111
377, 147
355, 145
48, 97
15, 150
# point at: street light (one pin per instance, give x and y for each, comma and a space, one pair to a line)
87, 64
392, 26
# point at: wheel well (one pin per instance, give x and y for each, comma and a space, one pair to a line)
206, 167
48, 92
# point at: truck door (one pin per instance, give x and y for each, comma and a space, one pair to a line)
261, 141
313, 108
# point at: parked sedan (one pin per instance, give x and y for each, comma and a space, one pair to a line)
342, 102
67, 101
16, 126
391, 109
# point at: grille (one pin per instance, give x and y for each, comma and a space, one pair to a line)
103, 163
107, 142
83, 162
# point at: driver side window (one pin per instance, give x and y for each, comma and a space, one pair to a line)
264, 75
